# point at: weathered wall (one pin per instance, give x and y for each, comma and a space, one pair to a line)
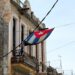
5, 10
3, 44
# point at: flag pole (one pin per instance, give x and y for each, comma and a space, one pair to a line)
46, 15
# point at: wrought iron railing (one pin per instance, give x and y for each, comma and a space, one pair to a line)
24, 59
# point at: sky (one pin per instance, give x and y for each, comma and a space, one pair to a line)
60, 45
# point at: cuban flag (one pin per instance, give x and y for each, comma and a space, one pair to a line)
38, 36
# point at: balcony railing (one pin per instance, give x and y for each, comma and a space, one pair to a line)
24, 59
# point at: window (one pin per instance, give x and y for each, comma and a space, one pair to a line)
30, 50
36, 52
22, 37
14, 35
42, 54
37, 57
22, 33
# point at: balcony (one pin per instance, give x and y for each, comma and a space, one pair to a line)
25, 59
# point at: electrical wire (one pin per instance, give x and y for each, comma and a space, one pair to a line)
71, 42
33, 30
59, 26
65, 25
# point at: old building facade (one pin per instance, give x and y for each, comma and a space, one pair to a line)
17, 22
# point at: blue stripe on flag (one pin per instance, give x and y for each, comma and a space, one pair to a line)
30, 35
31, 40
35, 40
